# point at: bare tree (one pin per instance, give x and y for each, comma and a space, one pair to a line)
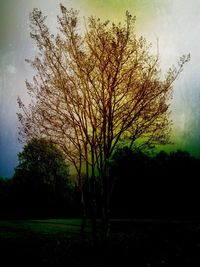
94, 90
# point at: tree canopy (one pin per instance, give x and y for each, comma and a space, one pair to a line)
94, 89
41, 163
41, 185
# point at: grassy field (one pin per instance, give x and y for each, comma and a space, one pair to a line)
45, 228
57, 242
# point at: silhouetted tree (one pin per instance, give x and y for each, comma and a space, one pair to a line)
42, 177
91, 91
164, 185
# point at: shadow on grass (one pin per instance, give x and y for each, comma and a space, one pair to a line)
133, 243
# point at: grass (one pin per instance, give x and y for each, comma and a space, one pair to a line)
52, 227
57, 242
32, 242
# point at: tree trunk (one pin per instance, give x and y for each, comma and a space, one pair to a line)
84, 213
93, 204
93, 212
105, 210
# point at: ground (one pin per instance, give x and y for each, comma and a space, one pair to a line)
57, 242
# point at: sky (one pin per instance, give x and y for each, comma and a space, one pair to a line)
175, 23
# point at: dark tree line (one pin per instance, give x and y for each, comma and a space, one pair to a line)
160, 186
40, 186
163, 186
